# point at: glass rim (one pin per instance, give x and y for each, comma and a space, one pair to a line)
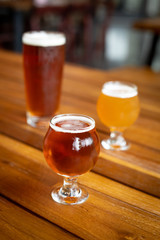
35, 41
121, 82
119, 89
82, 117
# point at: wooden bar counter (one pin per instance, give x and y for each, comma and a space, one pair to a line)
124, 187
151, 25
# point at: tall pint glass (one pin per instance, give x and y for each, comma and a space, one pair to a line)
43, 60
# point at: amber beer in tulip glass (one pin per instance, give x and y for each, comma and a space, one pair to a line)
118, 108
71, 148
43, 60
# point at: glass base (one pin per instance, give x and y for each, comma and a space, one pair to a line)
119, 145
38, 122
76, 196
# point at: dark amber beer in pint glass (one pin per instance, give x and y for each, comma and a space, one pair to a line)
43, 60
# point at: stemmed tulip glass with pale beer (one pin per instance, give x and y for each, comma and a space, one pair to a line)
71, 148
43, 60
118, 108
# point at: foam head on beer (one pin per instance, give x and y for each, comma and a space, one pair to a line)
119, 90
43, 39
72, 124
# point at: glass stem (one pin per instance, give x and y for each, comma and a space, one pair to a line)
114, 136
115, 141
70, 188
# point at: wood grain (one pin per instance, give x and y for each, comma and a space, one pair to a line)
17, 223
139, 166
113, 210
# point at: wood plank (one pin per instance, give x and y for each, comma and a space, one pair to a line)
133, 133
88, 76
143, 123
112, 211
75, 78
129, 174
141, 132
31, 154
18, 223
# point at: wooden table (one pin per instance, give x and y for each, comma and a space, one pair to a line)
152, 25
116, 209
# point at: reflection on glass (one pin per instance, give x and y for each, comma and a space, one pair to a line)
71, 148
43, 60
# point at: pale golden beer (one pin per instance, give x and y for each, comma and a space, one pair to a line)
118, 105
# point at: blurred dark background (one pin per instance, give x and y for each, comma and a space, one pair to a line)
100, 33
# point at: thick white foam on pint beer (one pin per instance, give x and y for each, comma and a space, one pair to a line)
43, 39
119, 90
72, 123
